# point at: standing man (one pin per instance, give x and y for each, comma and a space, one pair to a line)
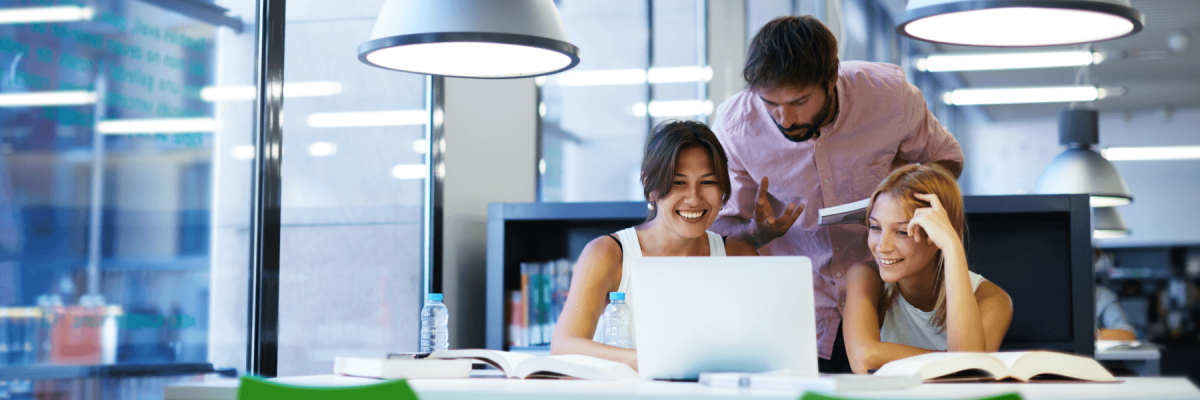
826, 133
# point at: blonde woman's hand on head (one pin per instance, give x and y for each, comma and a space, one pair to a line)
768, 227
934, 224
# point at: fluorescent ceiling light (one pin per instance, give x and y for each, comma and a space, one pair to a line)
998, 61
243, 152
297, 89
420, 146
673, 108
368, 118
1019, 23
173, 125
39, 99
1050, 94
633, 76
1151, 153
31, 15
322, 149
409, 171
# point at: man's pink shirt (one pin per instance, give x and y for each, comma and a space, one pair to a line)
882, 121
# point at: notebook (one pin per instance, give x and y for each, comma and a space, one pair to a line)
723, 314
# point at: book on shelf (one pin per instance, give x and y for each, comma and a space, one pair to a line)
1024, 366
787, 380
526, 366
397, 368
533, 311
849, 213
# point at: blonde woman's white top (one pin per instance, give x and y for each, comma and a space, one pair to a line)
631, 249
905, 324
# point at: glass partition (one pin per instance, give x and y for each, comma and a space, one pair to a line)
124, 186
354, 143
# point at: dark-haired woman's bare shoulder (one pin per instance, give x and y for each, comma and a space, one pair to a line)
601, 259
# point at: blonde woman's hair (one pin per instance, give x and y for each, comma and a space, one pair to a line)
901, 184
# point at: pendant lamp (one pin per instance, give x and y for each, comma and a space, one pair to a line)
1019, 23
1081, 169
470, 38
1107, 223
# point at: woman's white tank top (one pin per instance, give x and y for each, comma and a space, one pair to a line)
905, 324
631, 249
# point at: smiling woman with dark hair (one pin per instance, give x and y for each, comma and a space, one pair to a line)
686, 182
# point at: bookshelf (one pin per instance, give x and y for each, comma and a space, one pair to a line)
539, 232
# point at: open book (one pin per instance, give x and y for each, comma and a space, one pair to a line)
518, 365
849, 213
1023, 366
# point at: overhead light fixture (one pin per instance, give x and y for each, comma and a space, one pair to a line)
1107, 223
409, 171
1002, 61
679, 108
166, 125
33, 15
470, 38
45, 99
1048, 94
1019, 23
1080, 169
1162, 153
322, 149
368, 118
295, 89
633, 76
243, 152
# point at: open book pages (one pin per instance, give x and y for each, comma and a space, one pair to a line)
849, 213
790, 381
517, 365
385, 368
1019, 365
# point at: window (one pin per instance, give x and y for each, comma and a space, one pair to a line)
645, 62
124, 185
353, 176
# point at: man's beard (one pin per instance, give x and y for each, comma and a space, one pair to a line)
810, 130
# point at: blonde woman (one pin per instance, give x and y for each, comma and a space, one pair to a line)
917, 295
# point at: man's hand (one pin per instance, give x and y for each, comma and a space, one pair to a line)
766, 226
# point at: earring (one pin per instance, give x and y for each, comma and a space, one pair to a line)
650, 206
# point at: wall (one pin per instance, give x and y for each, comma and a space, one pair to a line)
1008, 157
491, 143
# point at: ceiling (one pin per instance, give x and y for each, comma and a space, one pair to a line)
1153, 76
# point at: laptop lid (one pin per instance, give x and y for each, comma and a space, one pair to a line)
748, 314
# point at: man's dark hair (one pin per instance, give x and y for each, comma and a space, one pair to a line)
791, 52
662, 149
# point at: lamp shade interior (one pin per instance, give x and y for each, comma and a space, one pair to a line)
1001, 23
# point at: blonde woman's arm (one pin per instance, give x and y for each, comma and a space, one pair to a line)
860, 323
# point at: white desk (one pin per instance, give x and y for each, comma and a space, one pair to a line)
502, 389
1144, 358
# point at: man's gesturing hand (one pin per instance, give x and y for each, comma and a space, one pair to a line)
766, 226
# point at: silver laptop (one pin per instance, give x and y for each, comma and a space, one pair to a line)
747, 314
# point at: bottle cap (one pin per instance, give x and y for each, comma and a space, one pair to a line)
616, 295
435, 296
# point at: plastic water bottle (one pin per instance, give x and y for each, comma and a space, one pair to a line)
435, 319
617, 321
